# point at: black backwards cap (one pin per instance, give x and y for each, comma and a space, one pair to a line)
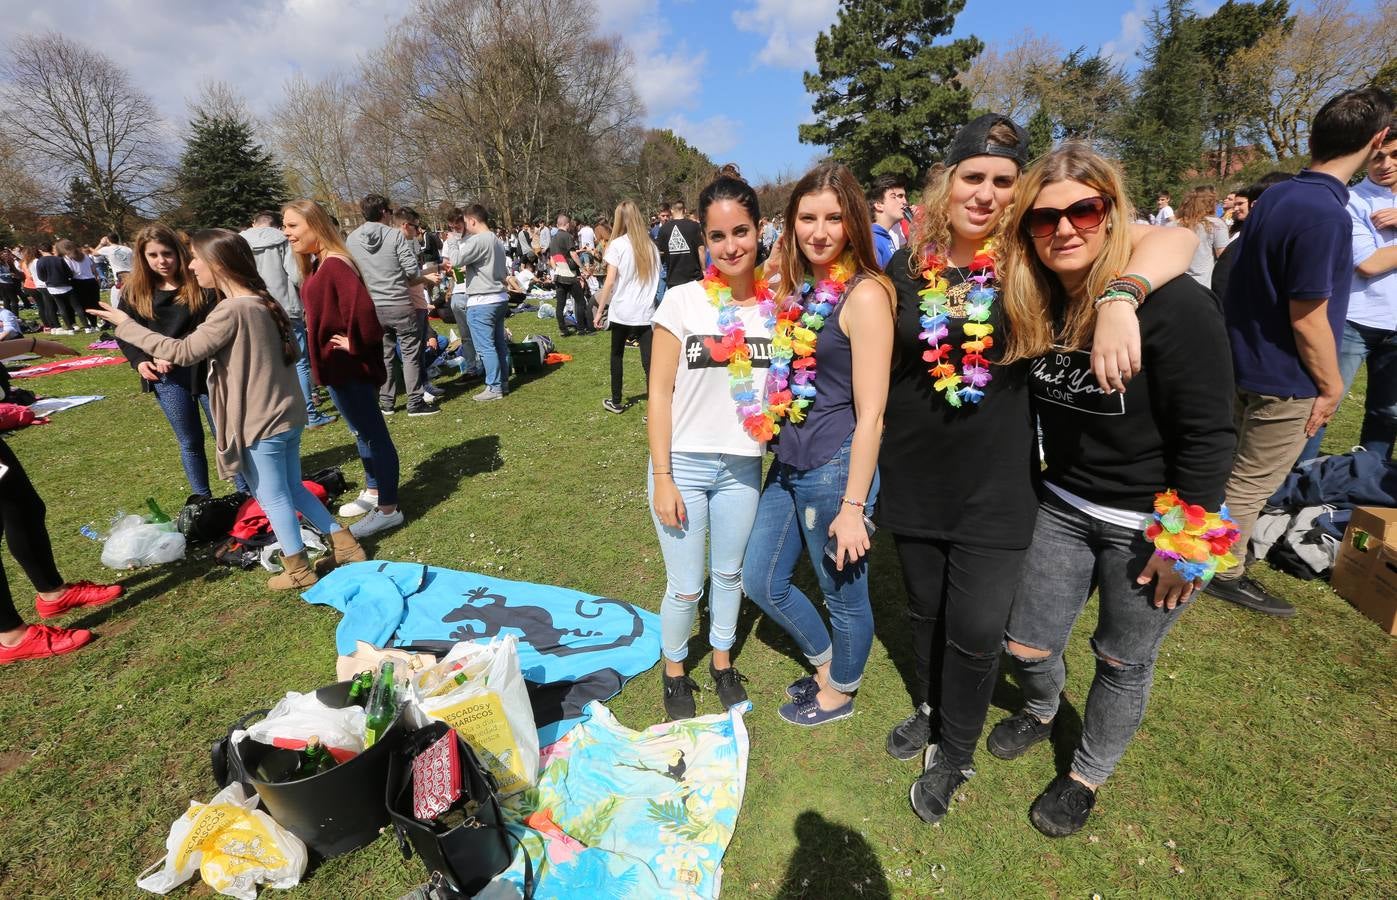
973, 140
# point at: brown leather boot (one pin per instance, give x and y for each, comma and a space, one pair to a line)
343, 548
295, 575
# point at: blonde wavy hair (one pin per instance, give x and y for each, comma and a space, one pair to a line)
1029, 284
628, 220
320, 224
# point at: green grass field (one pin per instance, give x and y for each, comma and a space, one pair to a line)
1265, 766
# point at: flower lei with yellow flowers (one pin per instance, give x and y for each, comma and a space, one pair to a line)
795, 323
967, 385
1199, 542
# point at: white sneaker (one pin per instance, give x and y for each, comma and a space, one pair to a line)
360, 505
376, 521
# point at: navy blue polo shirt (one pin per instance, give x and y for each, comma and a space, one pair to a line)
1296, 245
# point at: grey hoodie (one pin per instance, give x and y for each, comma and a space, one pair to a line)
387, 262
277, 266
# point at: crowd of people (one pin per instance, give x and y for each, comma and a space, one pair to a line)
1035, 391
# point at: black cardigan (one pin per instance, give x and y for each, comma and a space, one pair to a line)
172, 319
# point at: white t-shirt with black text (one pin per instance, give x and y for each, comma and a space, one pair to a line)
632, 301
704, 414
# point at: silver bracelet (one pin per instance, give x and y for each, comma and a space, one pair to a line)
1121, 297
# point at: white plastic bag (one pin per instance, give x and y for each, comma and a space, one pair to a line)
232, 845
490, 708
298, 717
135, 542
546, 310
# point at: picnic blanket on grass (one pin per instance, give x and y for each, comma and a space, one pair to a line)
68, 365
50, 405
573, 647
631, 814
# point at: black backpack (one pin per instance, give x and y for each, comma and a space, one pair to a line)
209, 520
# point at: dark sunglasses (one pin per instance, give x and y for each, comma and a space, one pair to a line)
1084, 214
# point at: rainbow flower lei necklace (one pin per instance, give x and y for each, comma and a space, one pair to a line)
794, 326
967, 385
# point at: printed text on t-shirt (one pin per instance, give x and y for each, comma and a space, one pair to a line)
698, 356
1065, 379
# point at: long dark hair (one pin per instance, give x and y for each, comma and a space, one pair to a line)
230, 257
139, 292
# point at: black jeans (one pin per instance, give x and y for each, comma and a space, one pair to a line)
619, 335
43, 302
22, 514
85, 295
9, 296
958, 600
580, 307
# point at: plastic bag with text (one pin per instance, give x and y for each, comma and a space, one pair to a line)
232, 845
479, 690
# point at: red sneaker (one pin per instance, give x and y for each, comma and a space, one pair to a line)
42, 641
79, 593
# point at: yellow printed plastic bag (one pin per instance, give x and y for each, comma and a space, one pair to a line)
233, 845
479, 690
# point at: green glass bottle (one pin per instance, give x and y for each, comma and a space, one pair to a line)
315, 758
382, 705
157, 515
360, 686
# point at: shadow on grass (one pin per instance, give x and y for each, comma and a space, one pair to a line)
342, 455
141, 586
831, 861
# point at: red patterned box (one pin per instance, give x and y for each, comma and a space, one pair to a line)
436, 777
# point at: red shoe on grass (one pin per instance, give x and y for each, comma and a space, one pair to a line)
79, 593
42, 641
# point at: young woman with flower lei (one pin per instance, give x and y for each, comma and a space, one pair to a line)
1134, 483
958, 461
830, 357
711, 347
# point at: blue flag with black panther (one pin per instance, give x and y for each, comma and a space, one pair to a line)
573, 647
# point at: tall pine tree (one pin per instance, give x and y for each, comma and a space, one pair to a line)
225, 176
887, 97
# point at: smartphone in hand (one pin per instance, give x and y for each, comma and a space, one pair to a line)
832, 545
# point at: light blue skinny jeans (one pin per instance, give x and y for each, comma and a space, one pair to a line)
720, 493
272, 467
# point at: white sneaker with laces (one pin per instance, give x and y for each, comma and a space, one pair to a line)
376, 521
364, 503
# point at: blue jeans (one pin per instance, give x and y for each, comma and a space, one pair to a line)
1072, 554
1379, 347
720, 494
486, 324
298, 328
794, 516
273, 470
182, 411
358, 403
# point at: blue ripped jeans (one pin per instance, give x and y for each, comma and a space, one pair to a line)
793, 519
182, 411
720, 492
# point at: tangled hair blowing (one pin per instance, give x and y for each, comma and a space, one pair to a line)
139, 292
1029, 285
327, 234
858, 236
230, 259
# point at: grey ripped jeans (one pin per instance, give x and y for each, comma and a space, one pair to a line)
1072, 554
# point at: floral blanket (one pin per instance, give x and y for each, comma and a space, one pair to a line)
631, 814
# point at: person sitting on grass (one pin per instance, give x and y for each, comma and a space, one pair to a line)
255, 393
22, 512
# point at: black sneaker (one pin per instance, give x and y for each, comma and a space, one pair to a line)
932, 794
1245, 592
1012, 737
679, 697
910, 736
422, 409
1063, 807
729, 684
386, 408
612, 406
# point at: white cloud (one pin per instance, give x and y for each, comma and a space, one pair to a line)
715, 135
790, 26
1122, 48
666, 70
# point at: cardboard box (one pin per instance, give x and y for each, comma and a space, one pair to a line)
1365, 573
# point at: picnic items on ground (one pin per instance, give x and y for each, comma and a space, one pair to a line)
133, 541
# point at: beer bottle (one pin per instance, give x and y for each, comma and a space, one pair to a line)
315, 758
360, 686
382, 705
157, 515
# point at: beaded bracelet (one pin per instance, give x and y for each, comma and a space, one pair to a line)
1112, 296
1199, 542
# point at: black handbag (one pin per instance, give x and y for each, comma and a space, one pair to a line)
464, 859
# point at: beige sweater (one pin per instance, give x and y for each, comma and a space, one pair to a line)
253, 391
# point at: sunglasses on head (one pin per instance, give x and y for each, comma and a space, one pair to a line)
1085, 214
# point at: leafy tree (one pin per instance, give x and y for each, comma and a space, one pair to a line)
888, 99
1236, 91
1082, 96
1162, 135
225, 176
1040, 133
668, 167
86, 211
